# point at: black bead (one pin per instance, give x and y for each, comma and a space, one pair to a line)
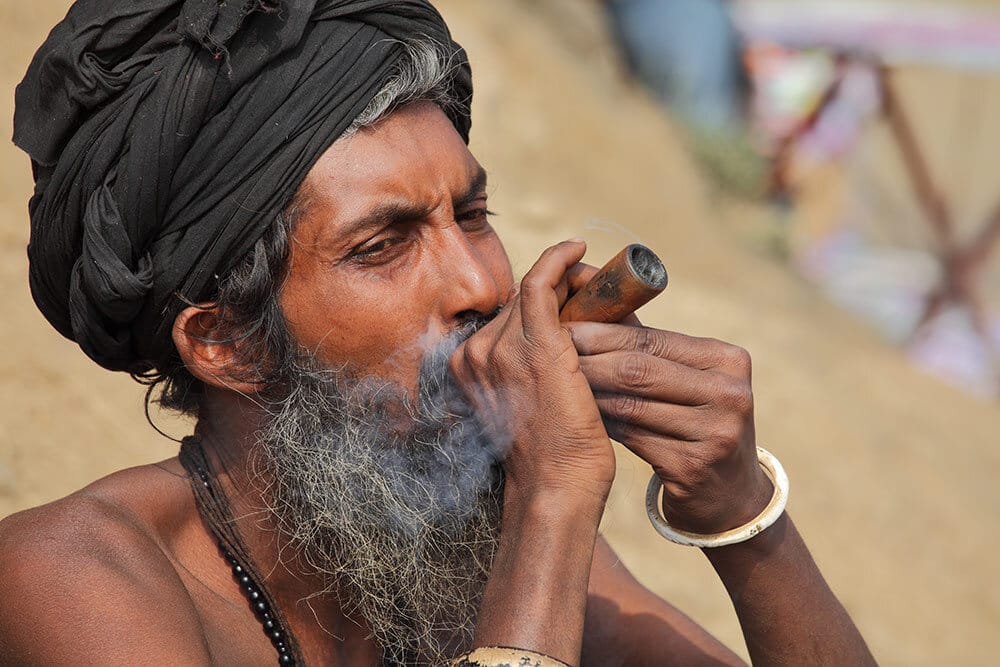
277, 635
245, 580
253, 595
269, 625
286, 659
237, 569
261, 606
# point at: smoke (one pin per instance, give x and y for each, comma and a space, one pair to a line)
395, 500
613, 228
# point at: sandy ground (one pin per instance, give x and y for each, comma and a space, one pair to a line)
894, 475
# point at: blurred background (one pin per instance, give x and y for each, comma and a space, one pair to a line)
819, 177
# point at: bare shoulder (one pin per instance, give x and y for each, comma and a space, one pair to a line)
627, 624
80, 570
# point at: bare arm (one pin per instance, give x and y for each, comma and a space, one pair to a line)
788, 614
629, 626
536, 597
78, 587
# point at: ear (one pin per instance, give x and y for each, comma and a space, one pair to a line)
213, 361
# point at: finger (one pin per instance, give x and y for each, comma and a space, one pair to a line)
575, 278
579, 275
538, 298
671, 458
702, 353
648, 377
634, 416
478, 345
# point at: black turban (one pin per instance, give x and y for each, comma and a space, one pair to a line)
166, 136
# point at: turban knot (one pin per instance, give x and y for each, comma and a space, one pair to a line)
165, 137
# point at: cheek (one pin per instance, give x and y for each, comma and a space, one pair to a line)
373, 326
365, 324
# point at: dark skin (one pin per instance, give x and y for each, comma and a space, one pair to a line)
395, 250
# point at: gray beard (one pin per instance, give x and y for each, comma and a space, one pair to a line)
394, 502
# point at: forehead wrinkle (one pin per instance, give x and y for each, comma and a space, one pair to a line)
366, 180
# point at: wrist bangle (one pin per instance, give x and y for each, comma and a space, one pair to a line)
770, 514
500, 656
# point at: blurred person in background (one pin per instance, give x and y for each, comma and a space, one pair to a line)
688, 53
269, 213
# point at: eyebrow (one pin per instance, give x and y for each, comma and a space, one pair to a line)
387, 214
477, 186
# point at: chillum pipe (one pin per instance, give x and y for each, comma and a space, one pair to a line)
620, 287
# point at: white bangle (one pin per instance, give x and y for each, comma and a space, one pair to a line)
736, 535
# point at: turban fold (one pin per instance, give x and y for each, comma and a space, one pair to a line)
166, 136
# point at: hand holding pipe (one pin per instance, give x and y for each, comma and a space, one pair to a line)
630, 280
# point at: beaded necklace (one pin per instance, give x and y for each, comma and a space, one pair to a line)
214, 509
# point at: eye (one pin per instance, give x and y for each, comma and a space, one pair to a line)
475, 219
377, 251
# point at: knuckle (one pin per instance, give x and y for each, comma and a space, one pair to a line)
737, 396
634, 371
628, 409
478, 351
732, 393
738, 358
532, 283
647, 340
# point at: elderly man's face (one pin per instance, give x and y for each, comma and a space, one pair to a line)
394, 250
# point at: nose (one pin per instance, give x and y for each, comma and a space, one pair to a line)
470, 284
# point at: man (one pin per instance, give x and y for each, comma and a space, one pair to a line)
401, 455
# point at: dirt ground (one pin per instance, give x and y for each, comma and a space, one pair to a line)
894, 475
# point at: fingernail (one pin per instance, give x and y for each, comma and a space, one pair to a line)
576, 239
